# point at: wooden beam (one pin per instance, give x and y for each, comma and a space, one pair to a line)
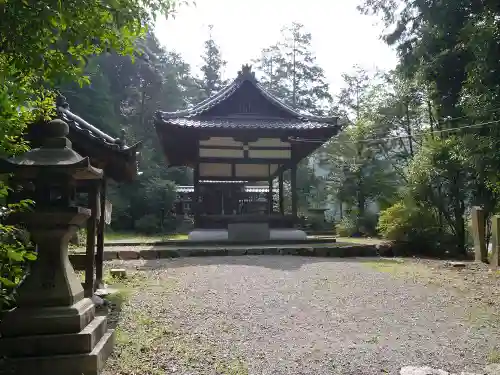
244, 161
281, 197
196, 194
92, 194
224, 147
293, 181
270, 196
100, 236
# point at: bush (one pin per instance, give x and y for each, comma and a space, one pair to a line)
148, 224
15, 254
346, 227
415, 225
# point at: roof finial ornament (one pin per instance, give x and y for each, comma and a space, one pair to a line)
61, 101
246, 72
121, 140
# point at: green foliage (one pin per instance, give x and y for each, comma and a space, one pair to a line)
404, 221
147, 224
14, 255
288, 69
213, 64
346, 227
43, 46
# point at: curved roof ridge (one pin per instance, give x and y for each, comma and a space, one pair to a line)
245, 74
96, 132
212, 100
289, 109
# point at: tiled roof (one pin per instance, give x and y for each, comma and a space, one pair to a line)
248, 189
249, 123
81, 126
196, 116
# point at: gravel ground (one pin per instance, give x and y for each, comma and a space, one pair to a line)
294, 315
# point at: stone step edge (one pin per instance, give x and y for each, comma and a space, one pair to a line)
78, 259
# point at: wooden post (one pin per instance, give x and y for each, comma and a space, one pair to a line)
293, 181
281, 197
270, 197
495, 241
92, 193
100, 237
196, 195
478, 231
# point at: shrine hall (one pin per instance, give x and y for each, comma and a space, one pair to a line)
242, 136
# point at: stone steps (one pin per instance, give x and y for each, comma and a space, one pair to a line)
151, 253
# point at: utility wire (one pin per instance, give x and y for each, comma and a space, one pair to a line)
302, 140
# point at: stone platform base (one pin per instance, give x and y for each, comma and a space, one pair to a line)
73, 364
64, 340
220, 235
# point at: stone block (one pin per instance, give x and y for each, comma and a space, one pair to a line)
167, 254
248, 232
256, 251
271, 251
109, 255
74, 364
128, 255
48, 320
478, 234
55, 344
199, 253
236, 252
218, 252
149, 254
321, 252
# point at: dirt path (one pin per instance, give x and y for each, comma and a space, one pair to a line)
296, 315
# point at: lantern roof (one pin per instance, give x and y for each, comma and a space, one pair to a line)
55, 155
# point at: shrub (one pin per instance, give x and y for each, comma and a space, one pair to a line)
15, 253
148, 224
346, 227
407, 222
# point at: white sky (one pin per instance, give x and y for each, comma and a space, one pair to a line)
341, 36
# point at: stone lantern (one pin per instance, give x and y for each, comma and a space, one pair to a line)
53, 329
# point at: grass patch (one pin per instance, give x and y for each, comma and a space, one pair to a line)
407, 270
177, 237
494, 356
119, 236
148, 340
359, 241
131, 236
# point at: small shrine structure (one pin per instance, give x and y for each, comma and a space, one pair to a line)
242, 133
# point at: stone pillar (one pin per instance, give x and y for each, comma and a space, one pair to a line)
478, 232
495, 241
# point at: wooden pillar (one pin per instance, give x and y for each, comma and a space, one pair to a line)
495, 241
196, 195
281, 196
100, 236
293, 182
270, 197
478, 231
92, 194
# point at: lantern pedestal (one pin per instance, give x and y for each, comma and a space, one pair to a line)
54, 329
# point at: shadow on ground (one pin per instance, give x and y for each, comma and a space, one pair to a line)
281, 262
